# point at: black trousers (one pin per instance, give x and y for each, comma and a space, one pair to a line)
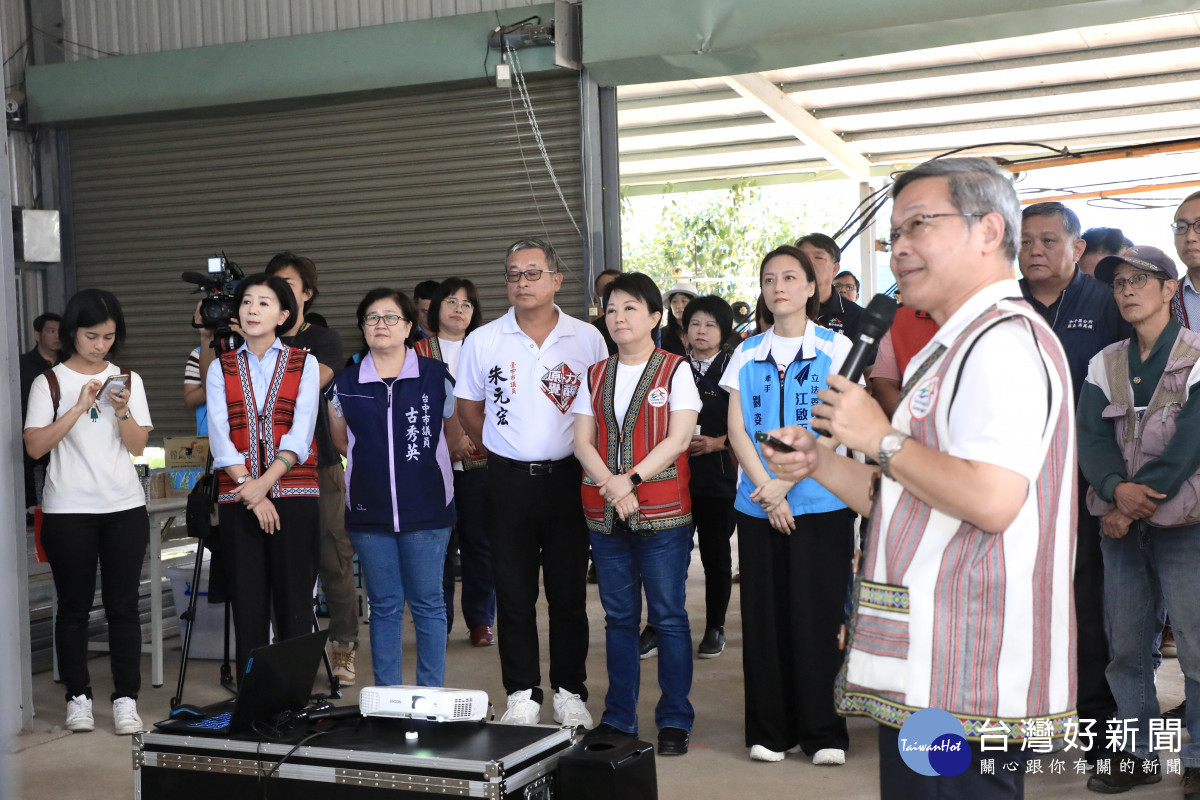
270, 572
75, 544
1094, 697
714, 527
898, 782
536, 522
793, 591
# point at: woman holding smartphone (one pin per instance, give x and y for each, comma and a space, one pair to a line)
262, 414
94, 505
634, 418
795, 540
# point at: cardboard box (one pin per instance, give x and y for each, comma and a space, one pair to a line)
186, 452
174, 482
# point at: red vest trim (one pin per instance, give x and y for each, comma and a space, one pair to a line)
663, 498
269, 427
430, 348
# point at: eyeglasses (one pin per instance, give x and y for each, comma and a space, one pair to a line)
918, 226
515, 275
465, 305
1136, 282
387, 319
1181, 226
844, 287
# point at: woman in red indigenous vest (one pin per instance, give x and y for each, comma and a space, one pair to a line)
634, 419
454, 312
262, 412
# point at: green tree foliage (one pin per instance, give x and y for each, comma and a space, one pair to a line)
714, 239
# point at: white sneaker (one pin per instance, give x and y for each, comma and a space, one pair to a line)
79, 714
522, 709
829, 757
125, 717
760, 753
570, 710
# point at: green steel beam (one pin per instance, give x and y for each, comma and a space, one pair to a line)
289, 69
633, 41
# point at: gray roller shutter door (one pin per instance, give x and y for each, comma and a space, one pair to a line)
381, 192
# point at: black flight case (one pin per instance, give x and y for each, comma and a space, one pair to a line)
357, 759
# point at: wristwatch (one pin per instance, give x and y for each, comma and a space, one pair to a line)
889, 445
241, 479
635, 479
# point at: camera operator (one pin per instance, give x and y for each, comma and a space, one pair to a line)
335, 566
193, 370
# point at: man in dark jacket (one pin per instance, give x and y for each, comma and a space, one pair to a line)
42, 357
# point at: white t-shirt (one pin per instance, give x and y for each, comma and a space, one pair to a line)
683, 396
528, 391
90, 470
451, 353
784, 350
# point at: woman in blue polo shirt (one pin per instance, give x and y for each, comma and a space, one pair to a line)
795, 540
392, 414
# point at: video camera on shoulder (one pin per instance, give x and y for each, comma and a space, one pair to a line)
217, 308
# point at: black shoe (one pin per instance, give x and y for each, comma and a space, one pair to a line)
649, 642
672, 742
1122, 780
1191, 783
591, 574
713, 643
1177, 712
606, 731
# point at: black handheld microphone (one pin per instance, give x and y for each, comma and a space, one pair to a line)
873, 324
334, 712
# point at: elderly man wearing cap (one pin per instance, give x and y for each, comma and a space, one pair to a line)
1139, 450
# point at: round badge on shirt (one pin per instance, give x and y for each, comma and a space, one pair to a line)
923, 398
657, 397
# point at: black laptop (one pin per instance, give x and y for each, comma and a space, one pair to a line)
279, 677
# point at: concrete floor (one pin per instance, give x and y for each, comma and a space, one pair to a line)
54, 763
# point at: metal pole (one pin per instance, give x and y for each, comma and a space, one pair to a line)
16, 680
866, 251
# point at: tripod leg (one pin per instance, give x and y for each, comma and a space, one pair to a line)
226, 672
190, 617
335, 686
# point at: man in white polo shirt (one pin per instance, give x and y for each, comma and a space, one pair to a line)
964, 599
517, 382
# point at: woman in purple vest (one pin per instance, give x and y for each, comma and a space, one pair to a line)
393, 414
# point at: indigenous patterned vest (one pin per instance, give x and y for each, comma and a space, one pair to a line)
430, 348
663, 498
257, 436
931, 626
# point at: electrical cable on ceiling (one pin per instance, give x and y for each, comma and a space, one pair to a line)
60, 40
527, 103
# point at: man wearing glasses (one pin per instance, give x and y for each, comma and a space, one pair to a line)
964, 601
517, 381
1186, 305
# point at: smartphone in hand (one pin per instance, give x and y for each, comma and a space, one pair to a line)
112, 385
775, 444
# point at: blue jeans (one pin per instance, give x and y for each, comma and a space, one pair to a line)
625, 564
1137, 567
399, 568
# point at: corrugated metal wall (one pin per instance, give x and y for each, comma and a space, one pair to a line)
107, 27
387, 192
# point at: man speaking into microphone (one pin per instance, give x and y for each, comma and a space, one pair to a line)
964, 600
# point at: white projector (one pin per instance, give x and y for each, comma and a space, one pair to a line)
423, 702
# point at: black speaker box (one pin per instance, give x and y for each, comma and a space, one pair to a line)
607, 768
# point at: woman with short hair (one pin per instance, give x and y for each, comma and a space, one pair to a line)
634, 418
393, 416
262, 416
94, 506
